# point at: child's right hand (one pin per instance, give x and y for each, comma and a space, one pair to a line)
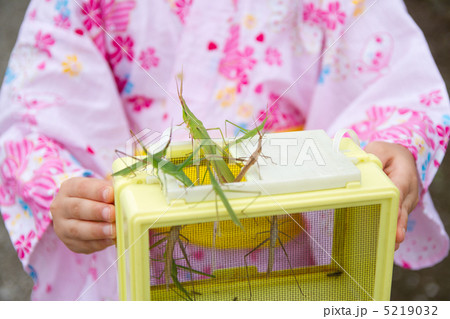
83, 214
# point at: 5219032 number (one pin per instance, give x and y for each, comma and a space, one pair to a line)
410, 311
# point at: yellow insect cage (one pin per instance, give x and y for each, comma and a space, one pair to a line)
318, 223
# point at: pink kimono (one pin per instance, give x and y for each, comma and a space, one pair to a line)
83, 72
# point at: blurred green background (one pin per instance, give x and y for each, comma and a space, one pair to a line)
433, 16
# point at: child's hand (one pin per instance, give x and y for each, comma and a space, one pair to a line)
400, 166
83, 214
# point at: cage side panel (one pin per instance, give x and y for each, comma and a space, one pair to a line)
139, 264
386, 242
317, 255
122, 244
359, 230
233, 257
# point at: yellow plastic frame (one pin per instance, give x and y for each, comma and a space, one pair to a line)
140, 206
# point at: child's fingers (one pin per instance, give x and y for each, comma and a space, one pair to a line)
412, 197
89, 188
85, 209
407, 205
380, 150
90, 246
401, 226
400, 166
87, 230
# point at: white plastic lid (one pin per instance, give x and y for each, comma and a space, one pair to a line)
289, 163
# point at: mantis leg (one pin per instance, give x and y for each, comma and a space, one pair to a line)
247, 134
273, 240
290, 265
243, 130
159, 242
183, 251
246, 264
220, 131
160, 275
288, 236
133, 157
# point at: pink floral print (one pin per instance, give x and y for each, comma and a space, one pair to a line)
399, 125
148, 58
62, 21
92, 10
235, 63
123, 48
375, 58
311, 14
50, 148
38, 192
140, 102
23, 245
112, 15
434, 97
273, 56
333, 15
410, 128
330, 17
13, 166
182, 9
44, 42
36, 189
116, 15
109, 16
444, 133
34, 102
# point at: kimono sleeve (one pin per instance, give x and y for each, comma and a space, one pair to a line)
378, 78
60, 114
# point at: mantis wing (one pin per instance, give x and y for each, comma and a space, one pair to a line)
218, 190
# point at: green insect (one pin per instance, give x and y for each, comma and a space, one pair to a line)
274, 237
158, 161
210, 148
215, 155
172, 238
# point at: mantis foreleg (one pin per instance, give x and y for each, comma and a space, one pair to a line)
272, 243
290, 266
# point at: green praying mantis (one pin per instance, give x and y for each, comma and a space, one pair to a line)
274, 237
216, 165
214, 155
173, 237
211, 149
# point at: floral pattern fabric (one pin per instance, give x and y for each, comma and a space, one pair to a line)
84, 72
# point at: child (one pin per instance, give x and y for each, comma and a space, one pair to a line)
84, 72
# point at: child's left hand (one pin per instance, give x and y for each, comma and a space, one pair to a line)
400, 166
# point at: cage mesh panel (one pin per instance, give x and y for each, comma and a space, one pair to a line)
331, 257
